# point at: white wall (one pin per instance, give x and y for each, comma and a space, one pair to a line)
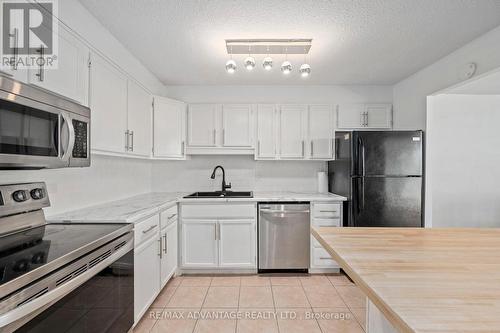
410, 94
242, 171
108, 179
463, 155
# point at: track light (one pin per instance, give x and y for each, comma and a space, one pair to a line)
286, 67
267, 63
230, 66
305, 70
249, 63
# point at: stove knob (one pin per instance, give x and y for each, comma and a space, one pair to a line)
20, 196
38, 258
37, 193
21, 266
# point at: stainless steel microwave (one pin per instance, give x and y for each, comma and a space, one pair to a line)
41, 130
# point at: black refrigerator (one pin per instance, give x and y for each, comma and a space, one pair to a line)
381, 174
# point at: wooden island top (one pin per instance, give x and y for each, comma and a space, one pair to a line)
423, 280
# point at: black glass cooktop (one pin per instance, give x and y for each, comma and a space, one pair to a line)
25, 251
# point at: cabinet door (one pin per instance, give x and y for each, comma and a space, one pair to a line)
71, 77
378, 115
169, 128
266, 131
237, 125
169, 252
139, 119
292, 141
199, 244
350, 116
146, 275
237, 243
321, 127
108, 102
202, 125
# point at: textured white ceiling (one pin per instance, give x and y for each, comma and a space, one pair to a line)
354, 41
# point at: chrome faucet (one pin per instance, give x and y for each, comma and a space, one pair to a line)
224, 186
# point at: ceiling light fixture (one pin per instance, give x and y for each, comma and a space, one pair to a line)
268, 47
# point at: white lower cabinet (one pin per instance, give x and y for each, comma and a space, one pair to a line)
199, 244
237, 243
218, 236
155, 257
146, 275
324, 215
168, 253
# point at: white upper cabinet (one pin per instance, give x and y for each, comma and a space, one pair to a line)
292, 140
352, 116
169, 128
108, 102
320, 132
139, 107
237, 125
202, 125
266, 132
220, 129
71, 78
378, 115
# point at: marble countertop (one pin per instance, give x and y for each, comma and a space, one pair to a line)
138, 207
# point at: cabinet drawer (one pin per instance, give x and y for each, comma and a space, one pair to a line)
321, 258
168, 216
218, 211
326, 222
146, 229
326, 210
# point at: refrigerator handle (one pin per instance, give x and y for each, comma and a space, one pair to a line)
361, 157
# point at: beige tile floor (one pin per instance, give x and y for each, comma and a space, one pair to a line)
257, 303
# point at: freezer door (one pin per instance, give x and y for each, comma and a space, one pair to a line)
390, 153
386, 202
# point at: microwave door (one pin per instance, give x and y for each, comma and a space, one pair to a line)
67, 141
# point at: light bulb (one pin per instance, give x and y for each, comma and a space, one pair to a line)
267, 63
249, 63
305, 70
286, 67
230, 66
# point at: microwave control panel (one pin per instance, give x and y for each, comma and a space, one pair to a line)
80, 150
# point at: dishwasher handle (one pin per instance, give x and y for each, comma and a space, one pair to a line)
274, 211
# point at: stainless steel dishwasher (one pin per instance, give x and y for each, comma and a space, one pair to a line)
284, 236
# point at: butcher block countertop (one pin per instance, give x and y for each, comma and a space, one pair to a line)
423, 280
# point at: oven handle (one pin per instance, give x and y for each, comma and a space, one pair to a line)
53, 296
71, 137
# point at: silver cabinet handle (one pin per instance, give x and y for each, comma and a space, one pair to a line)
215, 231
40, 73
218, 231
312, 148
13, 61
132, 141
258, 147
323, 258
149, 229
366, 117
274, 211
223, 136
327, 211
159, 247
165, 243
127, 145
183, 145
172, 216
303, 148
215, 135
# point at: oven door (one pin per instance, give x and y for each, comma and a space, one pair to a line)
33, 135
100, 299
